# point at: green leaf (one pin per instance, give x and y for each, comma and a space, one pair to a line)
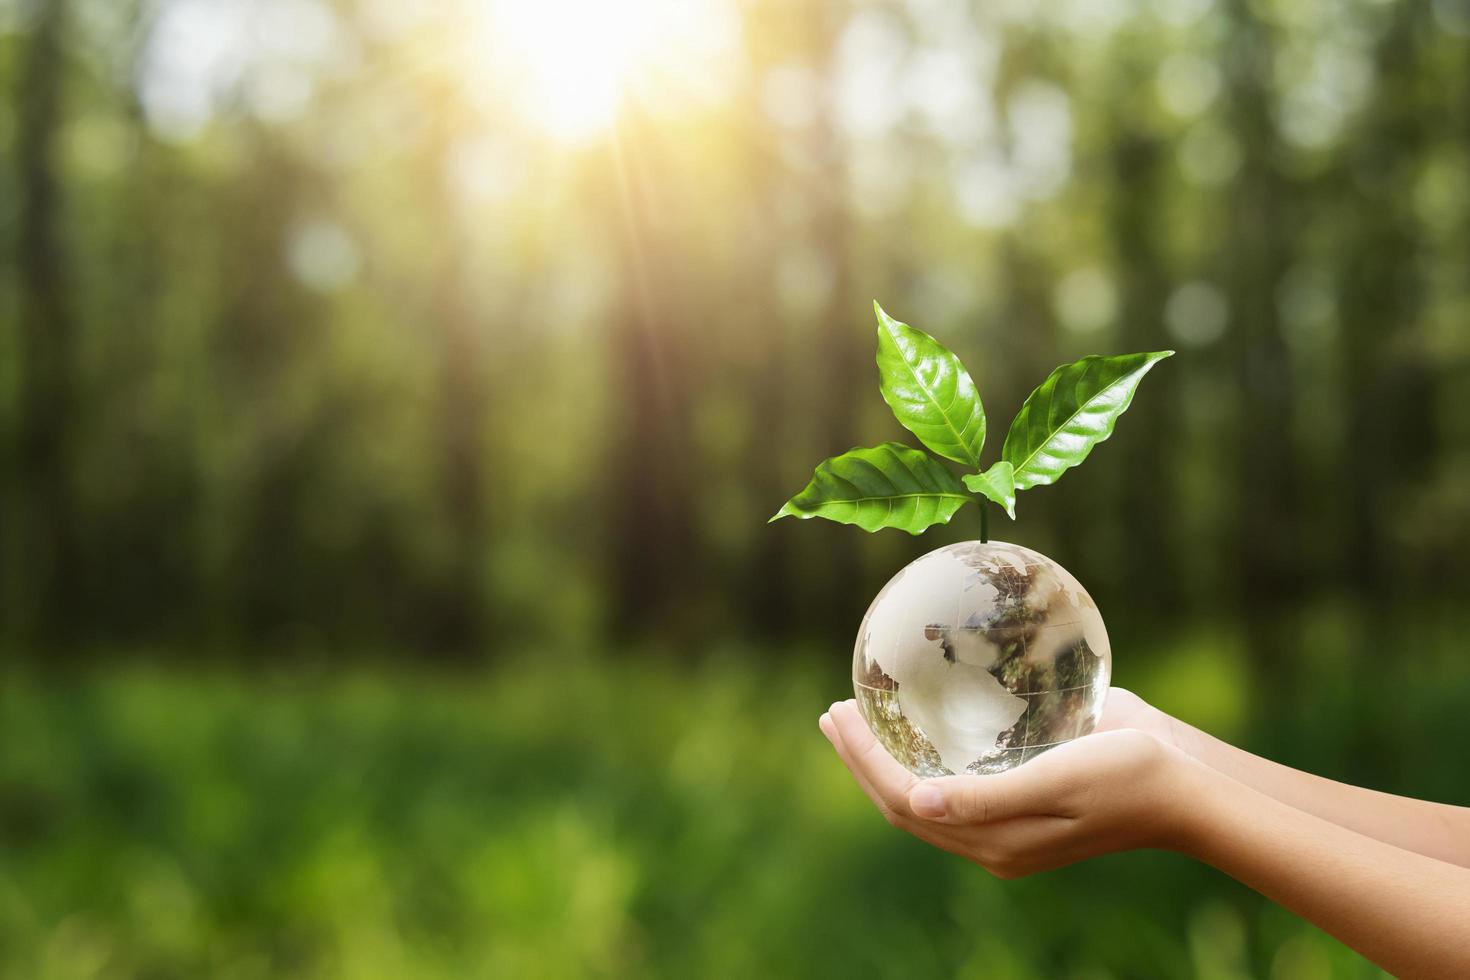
1074, 409
886, 486
929, 390
998, 483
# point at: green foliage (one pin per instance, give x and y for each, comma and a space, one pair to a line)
934, 397
295, 825
998, 484
1074, 409
929, 390
886, 486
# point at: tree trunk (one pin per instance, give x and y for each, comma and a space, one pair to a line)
1148, 557
652, 541
1390, 409
461, 623
1260, 236
46, 535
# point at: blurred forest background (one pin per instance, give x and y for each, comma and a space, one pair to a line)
392, 397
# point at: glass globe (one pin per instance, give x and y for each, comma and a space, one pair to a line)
977, 657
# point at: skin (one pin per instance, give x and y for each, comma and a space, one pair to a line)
1386, 875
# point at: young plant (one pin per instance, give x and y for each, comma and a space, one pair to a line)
933, 396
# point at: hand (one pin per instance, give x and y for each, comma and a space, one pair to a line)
1110, 791
1124, 709
1124, 788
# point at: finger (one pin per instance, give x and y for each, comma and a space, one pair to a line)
936, 834
1119, 708
888, 779
835, 737
860, 776
1018, 839
1124, 709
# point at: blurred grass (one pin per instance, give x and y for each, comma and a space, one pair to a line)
572, 817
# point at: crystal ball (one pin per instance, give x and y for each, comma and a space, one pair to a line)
977, 657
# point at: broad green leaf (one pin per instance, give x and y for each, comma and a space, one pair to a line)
998, 483
1074, 409
929, 390
886, 486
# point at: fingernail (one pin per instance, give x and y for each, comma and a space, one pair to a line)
926, 801
834, 706
823, 723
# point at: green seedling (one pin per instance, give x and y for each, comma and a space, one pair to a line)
934, 397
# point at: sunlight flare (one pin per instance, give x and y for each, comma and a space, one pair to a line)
572, 64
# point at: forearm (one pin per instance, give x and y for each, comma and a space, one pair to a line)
1436, 830
1406, 912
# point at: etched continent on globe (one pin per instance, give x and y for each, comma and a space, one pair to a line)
977, 657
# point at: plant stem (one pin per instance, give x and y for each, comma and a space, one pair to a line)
984, 523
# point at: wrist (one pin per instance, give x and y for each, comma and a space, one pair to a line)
1181, 735
1194, 799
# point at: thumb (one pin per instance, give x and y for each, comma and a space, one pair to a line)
974, 799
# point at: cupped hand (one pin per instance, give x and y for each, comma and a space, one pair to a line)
1114, 790
1124, 709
